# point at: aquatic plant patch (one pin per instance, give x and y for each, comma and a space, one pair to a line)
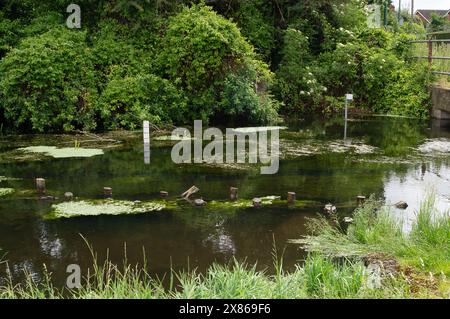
6, 191
6, 179
309, 147
435, 146
124, 207
66, 152
104, 207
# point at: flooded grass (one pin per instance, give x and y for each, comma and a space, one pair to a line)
374, 230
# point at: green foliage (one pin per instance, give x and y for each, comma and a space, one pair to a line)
47, 82
257, 25
438, 23
203, 53
127, 101
10, 33
319, 50
375, 229
376, 66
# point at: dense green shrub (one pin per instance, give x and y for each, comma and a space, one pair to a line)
10, 33
127, 101
46, 82
200, 51
375, 65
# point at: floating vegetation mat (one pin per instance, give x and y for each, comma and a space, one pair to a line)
66, 152
104, 207
124, 207
437, 146
309, 147
6, 191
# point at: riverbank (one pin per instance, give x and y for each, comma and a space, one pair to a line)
372, 258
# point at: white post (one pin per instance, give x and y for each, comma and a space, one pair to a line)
348, 98
146, 135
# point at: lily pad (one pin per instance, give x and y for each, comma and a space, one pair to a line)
66, 152
6, 191
104, 207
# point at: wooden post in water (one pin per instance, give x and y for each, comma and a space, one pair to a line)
291, 198
233, 193
68, 196
107, 191
257, 202
163, 194
40, 185
360, 200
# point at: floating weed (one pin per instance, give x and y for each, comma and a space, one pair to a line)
66, 152
105, 207
6, 191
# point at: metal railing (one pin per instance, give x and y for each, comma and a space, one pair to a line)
430, 57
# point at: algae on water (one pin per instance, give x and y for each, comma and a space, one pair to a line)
6, 191
5, 179
104, 207
66, 152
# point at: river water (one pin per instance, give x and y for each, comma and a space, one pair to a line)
394, 159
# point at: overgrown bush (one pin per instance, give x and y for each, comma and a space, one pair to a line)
202, 54
127, 101
47, 82
376, 66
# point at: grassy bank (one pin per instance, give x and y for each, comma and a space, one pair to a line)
373, 258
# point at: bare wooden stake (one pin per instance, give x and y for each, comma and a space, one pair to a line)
291, 197
257, 202
233, 193
40, 185
163, 194
107, 191
68, 196
360, 200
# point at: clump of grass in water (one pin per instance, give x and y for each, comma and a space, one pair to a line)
426, 247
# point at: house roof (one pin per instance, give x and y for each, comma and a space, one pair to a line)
426, 14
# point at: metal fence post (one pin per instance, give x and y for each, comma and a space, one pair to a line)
430, 52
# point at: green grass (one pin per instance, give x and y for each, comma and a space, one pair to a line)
426, 247
334, 269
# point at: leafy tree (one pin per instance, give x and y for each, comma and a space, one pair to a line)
47, 82
200, 50
127, 101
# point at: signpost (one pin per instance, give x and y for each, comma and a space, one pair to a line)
348, 99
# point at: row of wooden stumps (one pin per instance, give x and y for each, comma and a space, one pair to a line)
257, 203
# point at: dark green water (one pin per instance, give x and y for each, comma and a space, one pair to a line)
394, 170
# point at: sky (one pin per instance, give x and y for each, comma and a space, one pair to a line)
425, 4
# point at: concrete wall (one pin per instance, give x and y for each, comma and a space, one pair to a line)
441, 102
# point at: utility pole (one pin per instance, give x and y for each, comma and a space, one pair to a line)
412, 9
399, 10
